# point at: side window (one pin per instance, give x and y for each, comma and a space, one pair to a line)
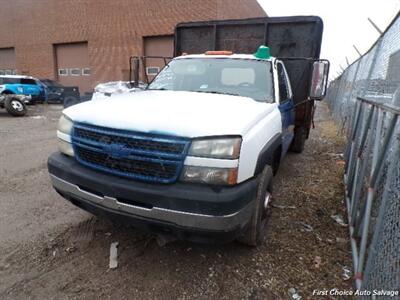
11, 80
284, 90
28, 81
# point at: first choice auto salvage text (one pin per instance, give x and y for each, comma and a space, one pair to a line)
336, 292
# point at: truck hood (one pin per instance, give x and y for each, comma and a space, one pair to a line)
186, 114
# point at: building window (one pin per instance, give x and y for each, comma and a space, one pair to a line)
86, 71
2, 72
63, 72
8, 72
152, 70
75, 72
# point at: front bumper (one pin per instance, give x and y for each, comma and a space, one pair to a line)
189, 211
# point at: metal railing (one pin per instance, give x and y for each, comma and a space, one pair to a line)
374, 145
365, 101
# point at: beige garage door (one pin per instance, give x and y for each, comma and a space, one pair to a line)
7, 61
157, 46
73, 67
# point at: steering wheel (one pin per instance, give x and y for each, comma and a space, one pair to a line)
245, 84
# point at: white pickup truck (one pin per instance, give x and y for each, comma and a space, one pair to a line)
193, 155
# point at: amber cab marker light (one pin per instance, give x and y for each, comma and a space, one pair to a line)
218, 53
233, 176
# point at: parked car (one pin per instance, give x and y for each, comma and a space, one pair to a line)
23, 85
194, 154
58, 93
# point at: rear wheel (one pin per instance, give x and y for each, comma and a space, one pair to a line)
70, 100
15, 107
299, 140
255, 232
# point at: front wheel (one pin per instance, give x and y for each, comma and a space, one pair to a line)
15, 107
255, 235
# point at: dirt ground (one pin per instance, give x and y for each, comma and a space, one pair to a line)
50, 249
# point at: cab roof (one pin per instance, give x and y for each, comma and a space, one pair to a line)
17, 76
232, 56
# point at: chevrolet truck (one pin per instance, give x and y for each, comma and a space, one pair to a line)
194, 154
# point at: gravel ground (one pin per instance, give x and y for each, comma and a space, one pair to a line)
50, 249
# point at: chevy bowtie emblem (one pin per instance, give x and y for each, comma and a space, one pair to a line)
116, 150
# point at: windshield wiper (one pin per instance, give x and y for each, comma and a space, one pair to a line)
217, 92
160, 89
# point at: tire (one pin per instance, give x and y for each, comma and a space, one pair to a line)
299, 140
276, 160
70, 100
254, 235
15, 107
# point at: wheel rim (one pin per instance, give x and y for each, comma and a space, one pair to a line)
17, 105
267, 199
263, 219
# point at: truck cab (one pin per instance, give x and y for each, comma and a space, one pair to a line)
193, 155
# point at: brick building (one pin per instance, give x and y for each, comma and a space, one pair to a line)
84, 42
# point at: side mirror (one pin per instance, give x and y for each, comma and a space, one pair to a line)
319, 79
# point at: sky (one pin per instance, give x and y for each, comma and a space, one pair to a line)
345, 24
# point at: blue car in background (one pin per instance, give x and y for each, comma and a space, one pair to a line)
23, 85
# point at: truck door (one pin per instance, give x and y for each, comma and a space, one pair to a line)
286, 107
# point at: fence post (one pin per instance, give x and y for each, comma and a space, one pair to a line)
364, 135
352, 90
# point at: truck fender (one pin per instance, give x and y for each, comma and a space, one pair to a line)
267, 153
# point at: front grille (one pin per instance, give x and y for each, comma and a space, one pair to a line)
141, 143
147, 157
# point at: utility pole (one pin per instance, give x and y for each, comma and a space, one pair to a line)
375, 26
359, 53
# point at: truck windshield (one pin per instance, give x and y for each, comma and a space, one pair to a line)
239, 77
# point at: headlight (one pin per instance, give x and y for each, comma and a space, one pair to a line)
65, 125
225, 148
220, 176
64, 135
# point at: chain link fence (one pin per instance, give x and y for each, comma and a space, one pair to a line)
365, 101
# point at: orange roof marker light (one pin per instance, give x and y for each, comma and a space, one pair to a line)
218, 52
